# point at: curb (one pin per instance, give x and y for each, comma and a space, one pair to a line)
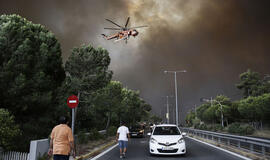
95, 152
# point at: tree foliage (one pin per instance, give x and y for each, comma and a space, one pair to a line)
252, 84
254, 108
30, 73
87, 71
9, 130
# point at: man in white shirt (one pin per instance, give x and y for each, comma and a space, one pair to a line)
122, 136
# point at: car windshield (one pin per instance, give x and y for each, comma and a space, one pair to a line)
166, 130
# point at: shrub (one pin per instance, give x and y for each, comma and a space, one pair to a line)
203, 127
9, 130
111, 131
237, 128
82, 137
216, 127
95, 135
196, 122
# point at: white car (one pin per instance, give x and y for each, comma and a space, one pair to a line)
167, 139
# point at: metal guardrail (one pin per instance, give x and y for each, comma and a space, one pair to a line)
254, 145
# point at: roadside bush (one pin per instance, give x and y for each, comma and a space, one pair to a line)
111, 131
216, 127
82, 137
241, 129
196, 122
9, 130
95, 135
203, 127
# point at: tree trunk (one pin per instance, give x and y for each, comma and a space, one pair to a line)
108, 121
227, 123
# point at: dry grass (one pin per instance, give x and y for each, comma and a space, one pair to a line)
82, 149
262, 133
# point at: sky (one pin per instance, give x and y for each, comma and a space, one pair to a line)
214, 41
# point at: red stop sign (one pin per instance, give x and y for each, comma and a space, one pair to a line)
72, 101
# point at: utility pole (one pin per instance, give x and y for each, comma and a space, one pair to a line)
176, 100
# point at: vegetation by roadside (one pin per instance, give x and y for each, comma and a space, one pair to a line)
246, 116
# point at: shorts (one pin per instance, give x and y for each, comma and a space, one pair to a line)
60, 157
122, 144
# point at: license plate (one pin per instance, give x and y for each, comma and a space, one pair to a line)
167, 148
134, 134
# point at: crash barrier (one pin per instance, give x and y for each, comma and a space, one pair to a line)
14, 156
40, 147
254, 145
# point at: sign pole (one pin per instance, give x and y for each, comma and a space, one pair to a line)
72, 125
73, 102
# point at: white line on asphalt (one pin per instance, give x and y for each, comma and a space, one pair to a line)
224, 150
101, 154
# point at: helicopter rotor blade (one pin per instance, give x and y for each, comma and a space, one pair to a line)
127, 22
114, 23
138, 27
113, 28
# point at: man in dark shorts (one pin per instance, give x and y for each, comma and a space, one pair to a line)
62, 142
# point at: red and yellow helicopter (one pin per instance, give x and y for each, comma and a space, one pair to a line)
124, 32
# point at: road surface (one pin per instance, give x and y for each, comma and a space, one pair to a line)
138, 150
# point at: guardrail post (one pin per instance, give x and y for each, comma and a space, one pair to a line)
212, 137
263, 150
251, 147
238, 144
219, 139
228, 142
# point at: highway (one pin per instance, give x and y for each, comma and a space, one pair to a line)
138, 150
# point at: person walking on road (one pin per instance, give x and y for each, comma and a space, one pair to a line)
62, 142
122, 137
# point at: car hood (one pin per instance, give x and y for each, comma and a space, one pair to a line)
166, 138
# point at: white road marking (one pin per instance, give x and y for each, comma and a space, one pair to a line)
106, 151
224, 150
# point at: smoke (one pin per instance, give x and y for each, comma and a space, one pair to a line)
214, 41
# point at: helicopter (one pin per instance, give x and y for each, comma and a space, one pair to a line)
124, 31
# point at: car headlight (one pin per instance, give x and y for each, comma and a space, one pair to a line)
181, 140
141, 131
152, 140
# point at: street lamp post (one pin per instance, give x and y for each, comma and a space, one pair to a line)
175, 84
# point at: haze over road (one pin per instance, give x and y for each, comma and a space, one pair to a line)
138, 150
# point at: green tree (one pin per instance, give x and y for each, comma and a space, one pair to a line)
107, 102
155, 119
252, 84
30, 73
201, 109
255, 109
8, 130
87, 71
134, 108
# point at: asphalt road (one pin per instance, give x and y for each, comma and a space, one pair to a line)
138, 150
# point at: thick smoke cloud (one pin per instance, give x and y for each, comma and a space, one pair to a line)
214, 41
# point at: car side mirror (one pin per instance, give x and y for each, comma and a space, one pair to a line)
149, 134
184, 133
